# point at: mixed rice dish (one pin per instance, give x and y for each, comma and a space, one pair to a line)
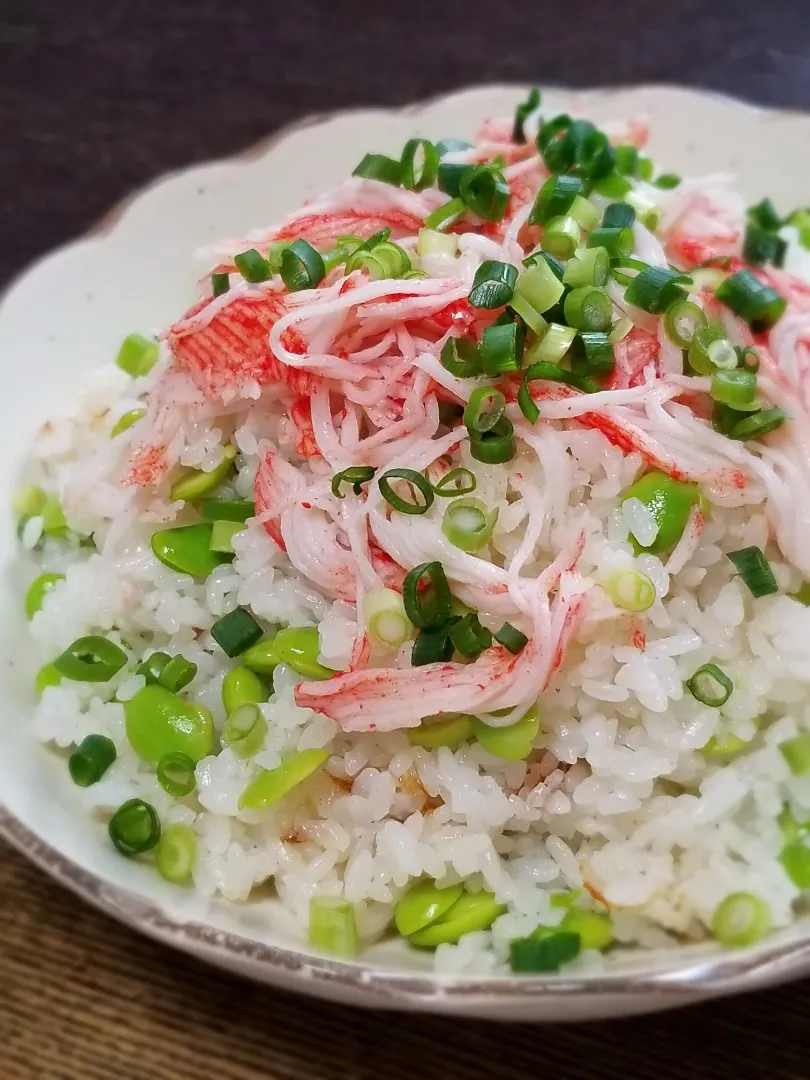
444, 564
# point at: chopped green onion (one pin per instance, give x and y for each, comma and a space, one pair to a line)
584, 213
275, 253
749, 359
449, 176
627, 159
795, 858
468, 524
494, 447
137, 355
511, 638
595, 156
417, 483
588, 266
595, 929
796, 752
270, 785
493, 284
630, 590
332, 926
448, 487
522, 112
644, 168
432, 647
654, 289
380, 167
228, 509
385, 616
432, 242
446, 215
175, 773
612, 186
134, 827
521, 307
220, 284
484, 409
461, 358
554, 344
723, 355
588, 308
502, 348
618, 242
761, 246
236, 632
469, 637
177, 673
28, 501
91, 759
152, 667
222, 535
426, 596
761, 423
195, 483
90, 659
555, 198
619, 215
302, 266
765, 215
544, 369
710, 686
384, 260
561, 237
557, 142
252, 265
646, 210
546, 953
176, 854
593, 355
742, 918
755, 570
758, 304
621, 328
245, 730
667, 181
703, 339
414, 275
736, 388
376, 239
38, 590
356, 475
669, 501
540, 286
471, 912
681, 321
45, 677
538, 256
418, 174
125, 422
485, 191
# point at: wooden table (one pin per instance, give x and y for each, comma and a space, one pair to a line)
99, 96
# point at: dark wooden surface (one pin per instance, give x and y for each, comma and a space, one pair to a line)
99, 96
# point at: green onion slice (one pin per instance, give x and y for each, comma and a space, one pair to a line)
618, 241
592, 354
681, 321
419, 164
220, 284
555, 198
91, 759
461, 358
511, 638
561, 237
550, 372
175, 773
741, 919
469, 637
796, 752
252, 265
595, 157
446, 215
755, 570
522, 112
765, 215
710, 686
761, 247
486, 192
332, 926
502, 348
761, 423
667, 181
545, 953
588, 308
655, 288
619, 215
432, 647
426, 595
134, 827
484, 409
386, 618
417, 483
468, 524
493, 284
380, 167
236, 632
627, 159
302, 266
356, 475
90, 659
494, 447
137, 355
456, 482
736, 388
758, 304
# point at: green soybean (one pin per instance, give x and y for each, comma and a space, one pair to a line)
511, 743
299, 646
270, 785
158, 723
451, 732
187, 548
669, 501
423, 905
47, 676
241, 686
472, 911
125, 422
37, 591
261, 657
594, 928
195, 484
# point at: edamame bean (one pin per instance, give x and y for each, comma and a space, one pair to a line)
299, 646
125, 422
472, 911
451, 732
37, 591
511, 743
423, 905
270, 785
594, 928
241, 686
196, 483
669, 501
158, 723
187, 548
53, 518
261, 657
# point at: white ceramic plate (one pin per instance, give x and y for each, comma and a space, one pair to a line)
68, 314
